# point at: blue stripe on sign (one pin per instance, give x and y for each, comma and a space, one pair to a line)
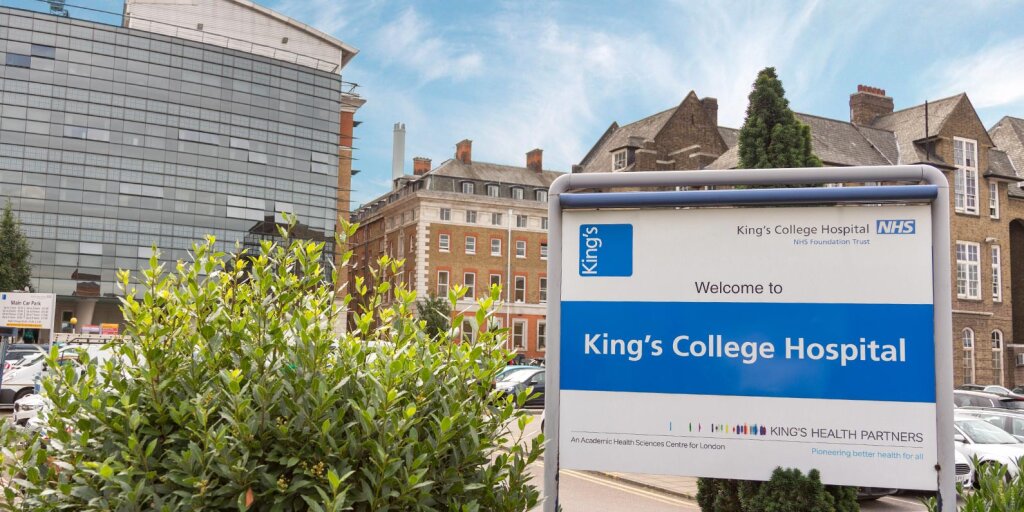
644, 326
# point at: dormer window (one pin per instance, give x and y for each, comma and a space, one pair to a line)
619, 160
542, 195
492, 190
467, 187
517, 193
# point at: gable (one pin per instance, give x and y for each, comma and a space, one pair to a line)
688, 126
963, 121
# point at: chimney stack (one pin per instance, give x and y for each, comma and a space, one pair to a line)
535, 160
711, 107
420, 165
868, 103
464, 151
398, 153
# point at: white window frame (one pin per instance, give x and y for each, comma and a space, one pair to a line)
619, 160
997, 357
520, 249
543, 290
967, 336
517, 193
467, 327
997, 274
522, 221
993, 199
494, 281
469, 281
442, 292
1020, 359
401, 246
519, 292
468, 187
544, 223
965, 187
495, 219
544, 251
445, 214
542, 196
519, 329
968, 270
444, 242
470, 244
493, 190
495, 247
542, 336
470, 216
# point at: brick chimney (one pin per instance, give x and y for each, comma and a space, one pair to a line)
868, 103
711, 107
420, 166
464, 151
535, 160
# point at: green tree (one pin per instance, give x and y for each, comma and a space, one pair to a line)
231, 392
771, 136
15, 270
436, 312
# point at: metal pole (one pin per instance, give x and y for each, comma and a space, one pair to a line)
3, 356
508, 282
552, 372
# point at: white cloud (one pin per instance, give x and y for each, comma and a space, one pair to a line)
408, 41
993, 76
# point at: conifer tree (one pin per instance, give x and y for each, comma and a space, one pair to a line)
772, 137
15, 270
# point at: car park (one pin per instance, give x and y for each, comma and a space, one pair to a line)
977, 438
17, 351
521, 380
22, 379
1008, 420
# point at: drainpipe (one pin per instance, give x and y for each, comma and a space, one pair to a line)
508, 283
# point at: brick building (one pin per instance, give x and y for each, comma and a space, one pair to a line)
472, 224
987, 203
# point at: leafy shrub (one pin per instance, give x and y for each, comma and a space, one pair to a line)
996, 492
231, 392
789, 490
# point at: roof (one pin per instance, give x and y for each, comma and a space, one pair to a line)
730, 136
908, 126
999, 165
497, 173
599, 159
1008, 135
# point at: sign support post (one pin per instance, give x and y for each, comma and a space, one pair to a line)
932, 189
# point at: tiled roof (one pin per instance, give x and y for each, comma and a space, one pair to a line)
731, 136
1008, 135
999, 165
600, 158
497, 173
908, 126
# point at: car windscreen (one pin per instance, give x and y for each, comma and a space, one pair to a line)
519, 376
982, 432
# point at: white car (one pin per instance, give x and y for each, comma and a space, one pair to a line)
21, 380
988, 443
27, 408
964, 470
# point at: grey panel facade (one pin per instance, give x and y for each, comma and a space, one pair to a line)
114, 140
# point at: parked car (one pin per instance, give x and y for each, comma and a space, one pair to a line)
510, 369
1008, 420
17, 351
964, 469
520, 380
21, 380
27, 408
964, 398
998, 390
991, 445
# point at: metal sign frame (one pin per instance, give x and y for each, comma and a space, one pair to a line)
932, 187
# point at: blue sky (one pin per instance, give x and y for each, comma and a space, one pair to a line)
512, 76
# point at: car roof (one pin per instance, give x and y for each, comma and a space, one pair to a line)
990, 410
984, 394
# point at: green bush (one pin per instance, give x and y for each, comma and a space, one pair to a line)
789, 490
996, 492
231, 392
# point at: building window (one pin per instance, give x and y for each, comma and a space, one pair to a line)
968, 339
469, 281
993, 199
46, 52
520, 289
543, 222
544, 251
521, 221
470, 245
446, 214
401, 246
965, 190
468, 334
542, 335
1020, 359
495, 280
997, 275
470, 216
412, 243
520, 248
496, 219
443, 242
543, 289
495, 247
997, 357
542, 196
967, 271
468, 188
519, 334
619, 160
492, 190
442, 283
517, 193
18, 60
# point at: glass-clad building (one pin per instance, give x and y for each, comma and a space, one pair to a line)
113, 140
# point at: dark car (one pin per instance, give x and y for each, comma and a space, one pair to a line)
963, 398
522, 379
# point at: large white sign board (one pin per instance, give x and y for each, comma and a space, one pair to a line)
725, 342
27, 310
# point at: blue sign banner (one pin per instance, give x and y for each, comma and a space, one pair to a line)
879, 352
606, 250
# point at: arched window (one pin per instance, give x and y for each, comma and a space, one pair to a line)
968, 339
997, 357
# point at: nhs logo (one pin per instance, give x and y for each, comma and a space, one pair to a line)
606, 250
896, 227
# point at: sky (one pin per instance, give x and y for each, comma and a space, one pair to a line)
517, 75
